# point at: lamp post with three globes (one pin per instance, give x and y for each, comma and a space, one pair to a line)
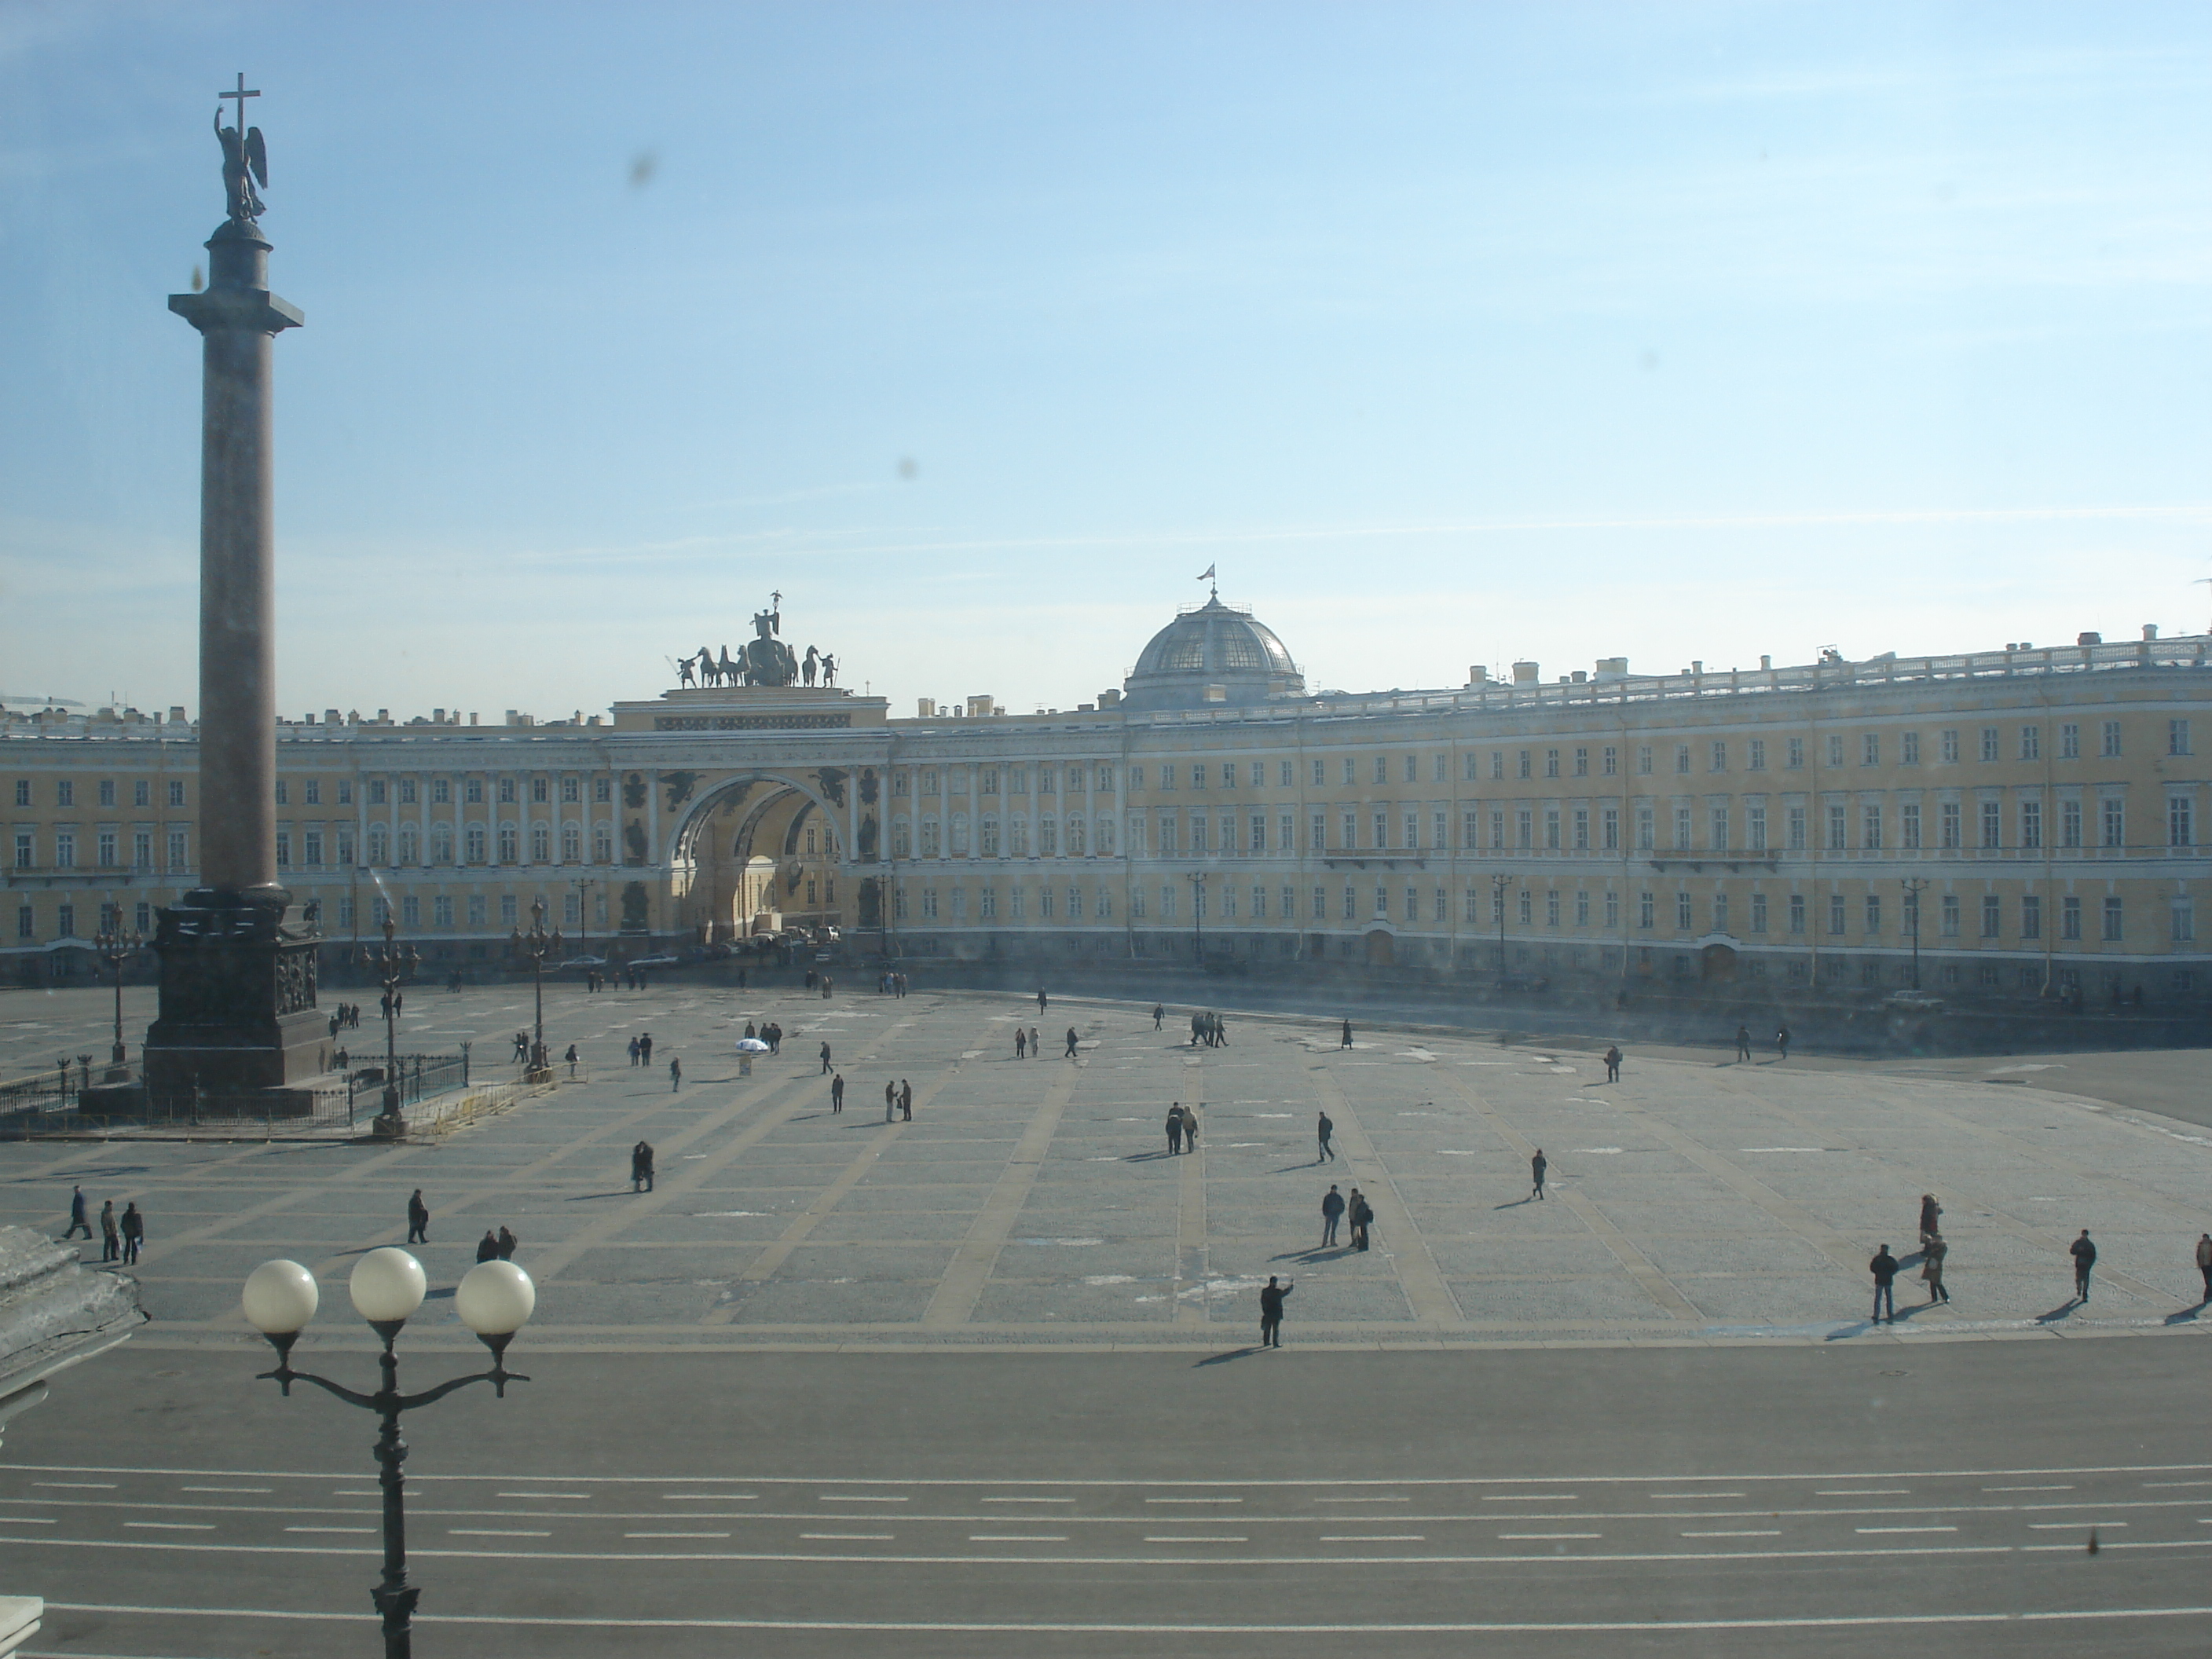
495, 1299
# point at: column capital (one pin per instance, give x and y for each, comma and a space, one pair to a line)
255, 309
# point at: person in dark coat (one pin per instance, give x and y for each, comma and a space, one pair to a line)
508, 1241
1931, 1218
1326, 1129
1613, 1064
1190, 1128
487, 1246
837, 1092
109, 1249
1271, 1311
2203, 1260
78, 1217
825, 1061
1331, 1212
1021, 1043
1538, 1167
640, 1167
1175, 1129
1071, 1044
1743, 1042
675, 1073
1884, 1269
1361, 1214
1933, 1254
906, 1101
1160, 1013
1041, 1001
2085, 1258
418, 1219
134, 1233
1347, 1041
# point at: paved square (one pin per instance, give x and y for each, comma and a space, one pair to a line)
1033, 1200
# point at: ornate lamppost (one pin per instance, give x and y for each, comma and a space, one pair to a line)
534, 944
393, 966
1499, 884
583, 884
1914, 887
1197, 880
115, 947
495, 1299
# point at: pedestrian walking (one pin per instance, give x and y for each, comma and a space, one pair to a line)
906, 1101
1612, 1064
640, 1167
645, 1048
1884, 1269
110, 1250
418, 1219
632, 1049
1931, 1217
508, 1242
1361, 1214
2085, 1258
571, 1058
1345, 1042
1036, 1044
1743, 1042
1021, 1043
1538, 1166
1160, 1013
1331, 1212
1070, 1054
890, 1101
675, 1074
825, 1060
1220, 1032
1271, 1311
77, 1218
1325, 1128
1041, 1001
1934, 1252
2203, 1260
134, 1233
487, 1246
1175, 1129
837, 1092
1782, 1043
1189, 1129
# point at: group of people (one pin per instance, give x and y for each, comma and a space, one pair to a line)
1355, 1213
822, 982
1743, 1042
345, 1017
1182, 1130
496, 1246
890, 985
772, 1034
898, 1101
1211, 1029
120, 1235
1027, 1044
640, 1048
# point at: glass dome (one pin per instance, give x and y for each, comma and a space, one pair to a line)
1214, 654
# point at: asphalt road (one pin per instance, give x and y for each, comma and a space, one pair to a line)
1799, 1501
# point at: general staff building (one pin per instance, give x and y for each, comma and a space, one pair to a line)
2005, 824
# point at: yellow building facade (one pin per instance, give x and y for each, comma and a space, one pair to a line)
2025, 823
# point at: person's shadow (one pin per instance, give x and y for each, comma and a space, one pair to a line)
1516, 1203
2059, 1312
1224, 1358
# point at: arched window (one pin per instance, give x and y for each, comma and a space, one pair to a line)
571, 843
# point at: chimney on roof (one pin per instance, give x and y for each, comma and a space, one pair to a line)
1478, 673
2088, 638
1612, 668
1527, 673
177, 713
2150, 630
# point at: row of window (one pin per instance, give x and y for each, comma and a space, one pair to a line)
311, 790
477, 843
142, 792
444, 912
1010, 780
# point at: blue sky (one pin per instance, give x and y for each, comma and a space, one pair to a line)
1452, 334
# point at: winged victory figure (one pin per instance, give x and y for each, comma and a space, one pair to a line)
245, 161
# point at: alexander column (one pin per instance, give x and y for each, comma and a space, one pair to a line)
238, 959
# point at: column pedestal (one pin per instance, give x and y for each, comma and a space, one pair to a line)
238, 1012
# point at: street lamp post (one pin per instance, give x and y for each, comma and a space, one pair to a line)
495, 1299
115, 947
393, 967
583, 884
1497, 887
534, 944
1914, 887
1197, 879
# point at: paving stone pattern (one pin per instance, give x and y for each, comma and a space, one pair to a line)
1033, 1200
